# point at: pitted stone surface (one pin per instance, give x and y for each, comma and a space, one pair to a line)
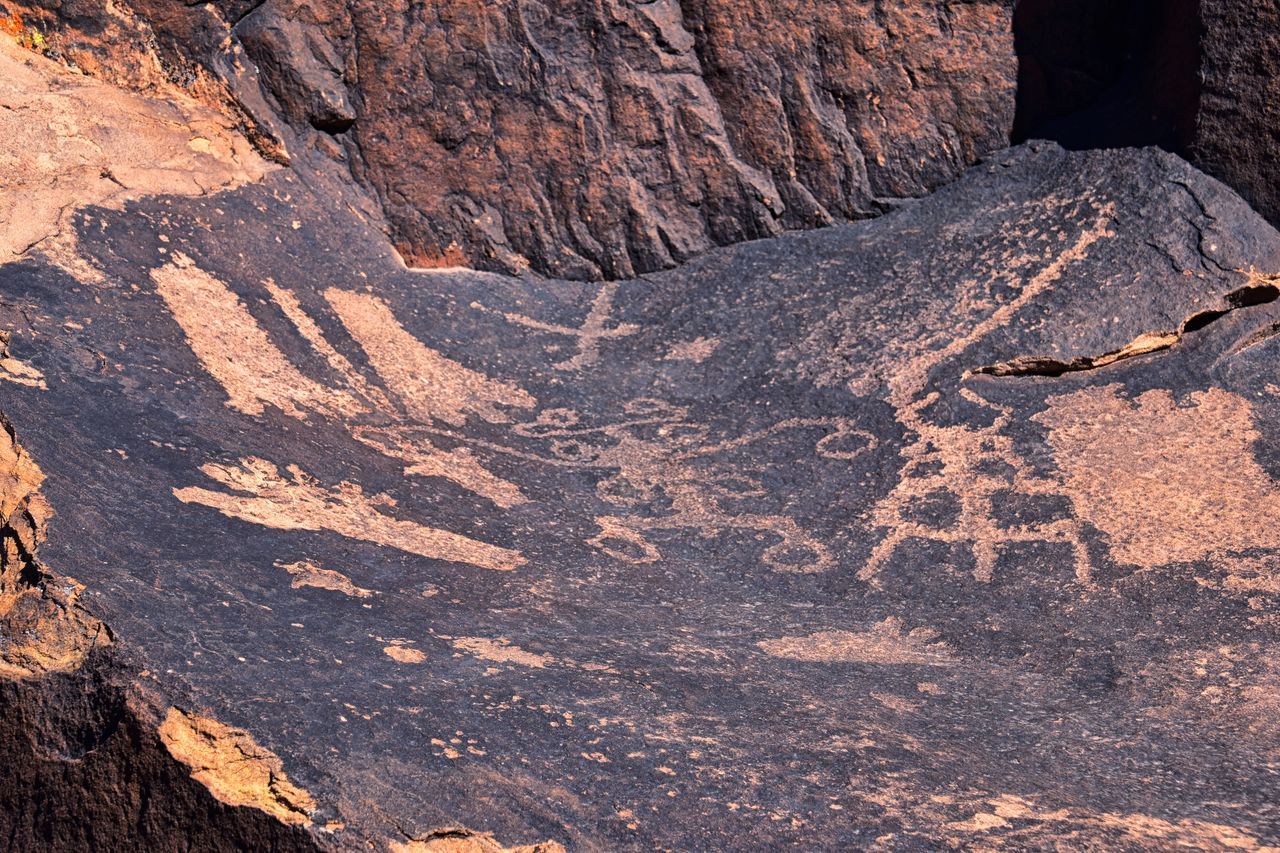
752, 552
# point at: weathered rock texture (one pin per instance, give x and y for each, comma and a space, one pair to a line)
605, 140
1238, 134
612, 139
71, 140
589, 140
948, 528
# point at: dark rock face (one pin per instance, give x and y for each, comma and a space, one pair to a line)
84, 771
587, 140
1238, 135
953, 527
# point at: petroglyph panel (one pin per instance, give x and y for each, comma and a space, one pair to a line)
762, 548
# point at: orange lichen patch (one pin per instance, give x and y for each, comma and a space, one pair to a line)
951, 458
467, 841
295, 501
12, 25
1166, 482
500, 650
234, 768
404, 654
431, 386
236, 351
459, 465
306, 573
885, 643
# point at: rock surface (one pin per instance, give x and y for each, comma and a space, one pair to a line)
1236, 136
951, 527
587, 140
71, 140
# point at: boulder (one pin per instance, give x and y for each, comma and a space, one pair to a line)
948, 528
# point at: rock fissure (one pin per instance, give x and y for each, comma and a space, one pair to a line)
1262, 290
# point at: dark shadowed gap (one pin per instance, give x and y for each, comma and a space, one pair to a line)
1108, 73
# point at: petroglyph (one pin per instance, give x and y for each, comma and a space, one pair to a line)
589, 335
404, 654
1167, 482
14, 370
500, 650
657, 456
412, 444
306, 573
972, 464
236, 350
997, 815
885, 643
697, 350
261, 494
289, 305
431, 386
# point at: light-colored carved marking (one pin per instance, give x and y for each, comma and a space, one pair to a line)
957, 458
306, 573
235, 769
263, 495
500, 650
236, 351
12, 370
1147, 831
460, 465
404, 654
697, 350
405, 442
885, 643
589, 335
431, 386
292, 309
649, 463
1167, 483
467, 841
